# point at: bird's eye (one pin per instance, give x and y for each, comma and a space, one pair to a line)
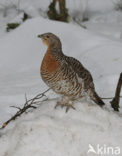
47, 36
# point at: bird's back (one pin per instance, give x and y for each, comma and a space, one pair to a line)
82, 73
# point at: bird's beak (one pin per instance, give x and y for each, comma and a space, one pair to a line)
40, 36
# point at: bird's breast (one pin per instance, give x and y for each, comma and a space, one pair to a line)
49, 63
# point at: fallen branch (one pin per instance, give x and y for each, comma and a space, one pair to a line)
28, 104
116, 99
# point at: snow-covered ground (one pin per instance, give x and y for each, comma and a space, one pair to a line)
47, 131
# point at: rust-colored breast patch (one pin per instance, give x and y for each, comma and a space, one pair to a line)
49, 63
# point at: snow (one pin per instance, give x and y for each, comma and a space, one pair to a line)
52, 132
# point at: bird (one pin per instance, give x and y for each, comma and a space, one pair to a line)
65, 75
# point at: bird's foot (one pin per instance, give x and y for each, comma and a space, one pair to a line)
67, 105
58, 104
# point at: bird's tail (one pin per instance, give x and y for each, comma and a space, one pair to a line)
95, 97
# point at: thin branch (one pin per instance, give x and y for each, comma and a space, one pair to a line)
28, 104
16, 107
77, 22
109, 98
26, 100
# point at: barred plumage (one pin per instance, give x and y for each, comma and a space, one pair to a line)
66, 75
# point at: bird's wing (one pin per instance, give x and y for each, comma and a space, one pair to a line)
83, 74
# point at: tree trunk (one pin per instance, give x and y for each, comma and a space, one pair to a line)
63, 12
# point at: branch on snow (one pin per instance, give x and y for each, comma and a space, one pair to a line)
109, 98
28, 104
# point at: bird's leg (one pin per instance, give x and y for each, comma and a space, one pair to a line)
65, 102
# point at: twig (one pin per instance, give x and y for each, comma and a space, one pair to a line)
116, 99
28, 104
108, 98
83, 26
16, 107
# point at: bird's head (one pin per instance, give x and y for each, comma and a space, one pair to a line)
51, 40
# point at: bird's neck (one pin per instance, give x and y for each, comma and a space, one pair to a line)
55, 47
55, 51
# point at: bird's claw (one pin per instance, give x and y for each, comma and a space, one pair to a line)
58, 104
68, 106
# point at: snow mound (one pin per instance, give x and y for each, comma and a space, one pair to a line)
52, 132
